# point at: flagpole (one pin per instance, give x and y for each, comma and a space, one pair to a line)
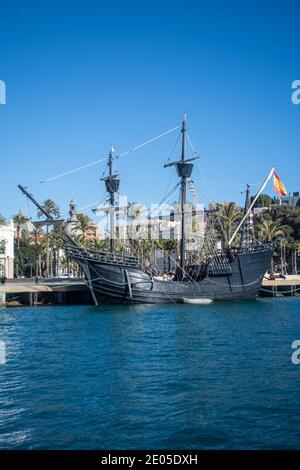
264, 184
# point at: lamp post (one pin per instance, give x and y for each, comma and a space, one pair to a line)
282, 255
296, 251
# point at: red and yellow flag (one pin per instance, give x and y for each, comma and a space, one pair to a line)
278, 185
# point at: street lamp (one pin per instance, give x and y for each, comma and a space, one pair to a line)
282, 254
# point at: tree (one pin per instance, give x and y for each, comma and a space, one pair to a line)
270, 230
99, 245
19, 219
56, 243
289, 216
263, 200
137, 228
82, 224
37, 234
229, 213
51, 207
27, 254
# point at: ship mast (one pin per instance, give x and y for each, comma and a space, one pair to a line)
245, 238
111, 203
112, 185
183, 195
184, 171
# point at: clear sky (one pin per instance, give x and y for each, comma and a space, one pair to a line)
82, 74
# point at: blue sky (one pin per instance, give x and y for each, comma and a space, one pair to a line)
80, 75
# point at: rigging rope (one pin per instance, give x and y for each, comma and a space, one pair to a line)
74, 170
147, 142
193, 190
209, 165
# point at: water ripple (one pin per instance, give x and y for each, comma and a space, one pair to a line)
183, 376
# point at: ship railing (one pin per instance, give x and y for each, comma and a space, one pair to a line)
101, 256
262, 248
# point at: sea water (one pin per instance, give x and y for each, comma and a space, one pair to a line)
216, 376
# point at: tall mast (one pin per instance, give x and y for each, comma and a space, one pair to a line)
112, 185
184, 171
247, 198
183, 196
245, 238
111, 203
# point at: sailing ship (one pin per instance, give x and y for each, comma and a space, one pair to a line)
225, 272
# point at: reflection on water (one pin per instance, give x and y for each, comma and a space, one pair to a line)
184, 376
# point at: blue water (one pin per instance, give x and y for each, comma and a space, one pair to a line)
213, 377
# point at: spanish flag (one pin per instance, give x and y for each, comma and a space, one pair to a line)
278, 185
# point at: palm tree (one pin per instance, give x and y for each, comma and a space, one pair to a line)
136, 227
99, 245
52, 208
56, 243
82, 224
229, 214
19, 219
78, 237
269, 231
36, 234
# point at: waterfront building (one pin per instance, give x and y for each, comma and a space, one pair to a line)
25, 228
292, 199
72, 210
93, 232
7, 232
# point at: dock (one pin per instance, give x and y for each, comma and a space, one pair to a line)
64, 291
17, 292
281, 287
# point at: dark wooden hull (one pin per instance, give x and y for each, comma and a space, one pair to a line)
115, 283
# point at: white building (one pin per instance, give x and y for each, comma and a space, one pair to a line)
7, 232
292, 199
93, 233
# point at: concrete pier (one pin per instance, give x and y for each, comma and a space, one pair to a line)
19, 292
281, 287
